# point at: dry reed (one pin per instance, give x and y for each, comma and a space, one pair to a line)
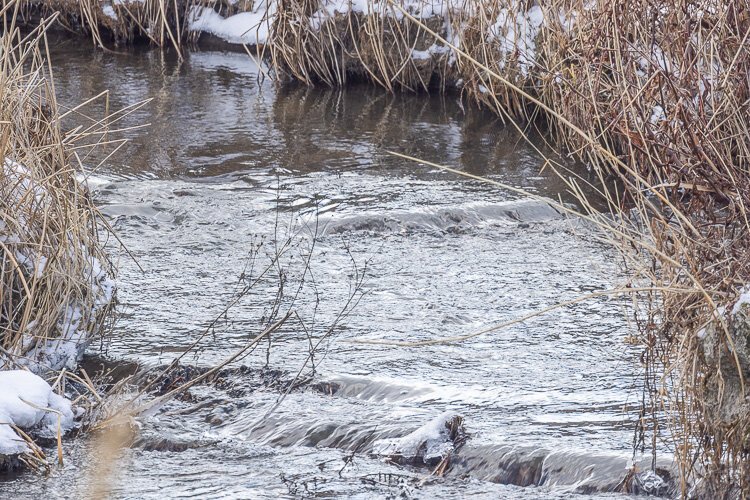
55, 287
160, 22
56, 293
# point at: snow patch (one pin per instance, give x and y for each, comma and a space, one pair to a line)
28, 402
420, 9
250, 28
24, 189
253, 28
67, 343
517, 35
657, 115
109, 11
744, 299
92, 182
432, 50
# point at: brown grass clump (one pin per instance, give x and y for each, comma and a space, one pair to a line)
315, 44
55, 279
160, 22
661, 92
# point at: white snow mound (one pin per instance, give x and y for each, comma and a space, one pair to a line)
429, 443
28, 402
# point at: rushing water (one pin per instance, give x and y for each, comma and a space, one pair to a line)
230, 167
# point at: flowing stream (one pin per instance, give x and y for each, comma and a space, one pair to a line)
232, 167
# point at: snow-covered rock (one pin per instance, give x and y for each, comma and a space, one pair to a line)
27, 401
429, 444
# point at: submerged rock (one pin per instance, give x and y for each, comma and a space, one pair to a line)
652, 483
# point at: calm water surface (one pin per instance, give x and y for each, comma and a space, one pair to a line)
231, 164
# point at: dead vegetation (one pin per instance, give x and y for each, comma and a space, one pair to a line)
55, 279
56, 289
160, 22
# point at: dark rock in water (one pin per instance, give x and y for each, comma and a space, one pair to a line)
107, 372
505, 465
9, 463
583, 473
177, 377
453, 220
235, 381
658, 482
217, 416
163, 444
327, 388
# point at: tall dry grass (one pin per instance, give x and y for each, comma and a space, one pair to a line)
160, 22
55, 288
313, 45
115, 23
665, 88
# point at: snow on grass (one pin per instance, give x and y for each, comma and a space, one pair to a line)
62, 348
92, 182
253, 27
72, 337
58, 352
517, 35
744, 299
657, 115
25, 190
430, 52
109, 11
28, 402
250, 28
420, 9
